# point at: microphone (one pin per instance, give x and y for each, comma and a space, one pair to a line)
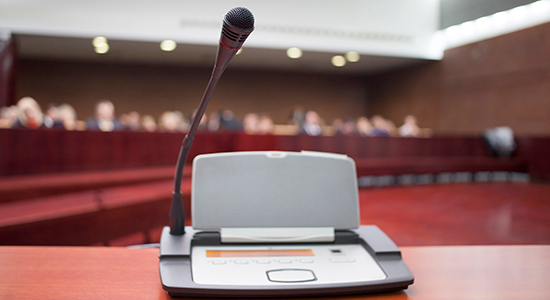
238, 23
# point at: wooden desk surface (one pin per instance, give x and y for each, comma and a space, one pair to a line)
463, 272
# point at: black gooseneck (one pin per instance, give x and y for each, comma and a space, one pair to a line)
238, 23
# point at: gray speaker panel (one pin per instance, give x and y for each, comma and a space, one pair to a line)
274, 189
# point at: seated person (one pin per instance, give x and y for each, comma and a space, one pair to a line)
251, 123
229, 122
312, 124
364, 128
67, 116
133, 122
170, 121
379, 126
51, 119
148, 123
30, 115
104, 118
409, 128
266, 125
8, 116
347, 127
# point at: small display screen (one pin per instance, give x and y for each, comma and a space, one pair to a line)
258, 253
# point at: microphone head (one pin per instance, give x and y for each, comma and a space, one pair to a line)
240, 18
238, 23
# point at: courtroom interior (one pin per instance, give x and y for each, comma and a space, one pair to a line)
443, 105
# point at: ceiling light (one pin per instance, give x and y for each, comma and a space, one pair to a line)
483, 23
468, 28
497, 24
168, 45
501, 18
539, 7
519, 13
338, 61
102, 49
294, 52
353, 56
99, 41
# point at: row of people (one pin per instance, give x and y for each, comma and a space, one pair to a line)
378, 126
311, 124
28, 114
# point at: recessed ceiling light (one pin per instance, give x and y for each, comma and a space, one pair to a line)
294, 52
99, 41
338, 61
102, 49
353, 56
168, 45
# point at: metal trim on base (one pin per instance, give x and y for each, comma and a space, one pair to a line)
176, 276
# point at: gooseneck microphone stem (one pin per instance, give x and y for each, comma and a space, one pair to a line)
177, 211
188, 140
238, 24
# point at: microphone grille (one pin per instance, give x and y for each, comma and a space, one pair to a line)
240, 18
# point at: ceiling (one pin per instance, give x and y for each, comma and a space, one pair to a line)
454, 12
39, 40
387, 34
124, 51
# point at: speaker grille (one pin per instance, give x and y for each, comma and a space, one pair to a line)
228, 34
240, 18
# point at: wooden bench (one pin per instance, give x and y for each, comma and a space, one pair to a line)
110, 205
89, 217
396, 166
14, 188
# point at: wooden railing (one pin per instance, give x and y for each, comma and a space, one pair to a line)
25, 152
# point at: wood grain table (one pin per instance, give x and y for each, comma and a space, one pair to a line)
447, 272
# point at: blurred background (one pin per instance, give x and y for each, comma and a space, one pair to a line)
96, 96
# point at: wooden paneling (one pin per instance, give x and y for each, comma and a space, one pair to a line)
53, 151
8, 68
500, 81
153, 89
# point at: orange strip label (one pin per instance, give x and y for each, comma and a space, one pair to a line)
258, 253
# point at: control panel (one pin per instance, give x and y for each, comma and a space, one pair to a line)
283, 264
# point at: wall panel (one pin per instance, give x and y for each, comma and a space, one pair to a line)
153, 89
500, 81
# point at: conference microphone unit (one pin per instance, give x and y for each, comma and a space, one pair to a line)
238, 23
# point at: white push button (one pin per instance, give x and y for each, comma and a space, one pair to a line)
241, 262
285, 261
263, 261
342, 260
291, 275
